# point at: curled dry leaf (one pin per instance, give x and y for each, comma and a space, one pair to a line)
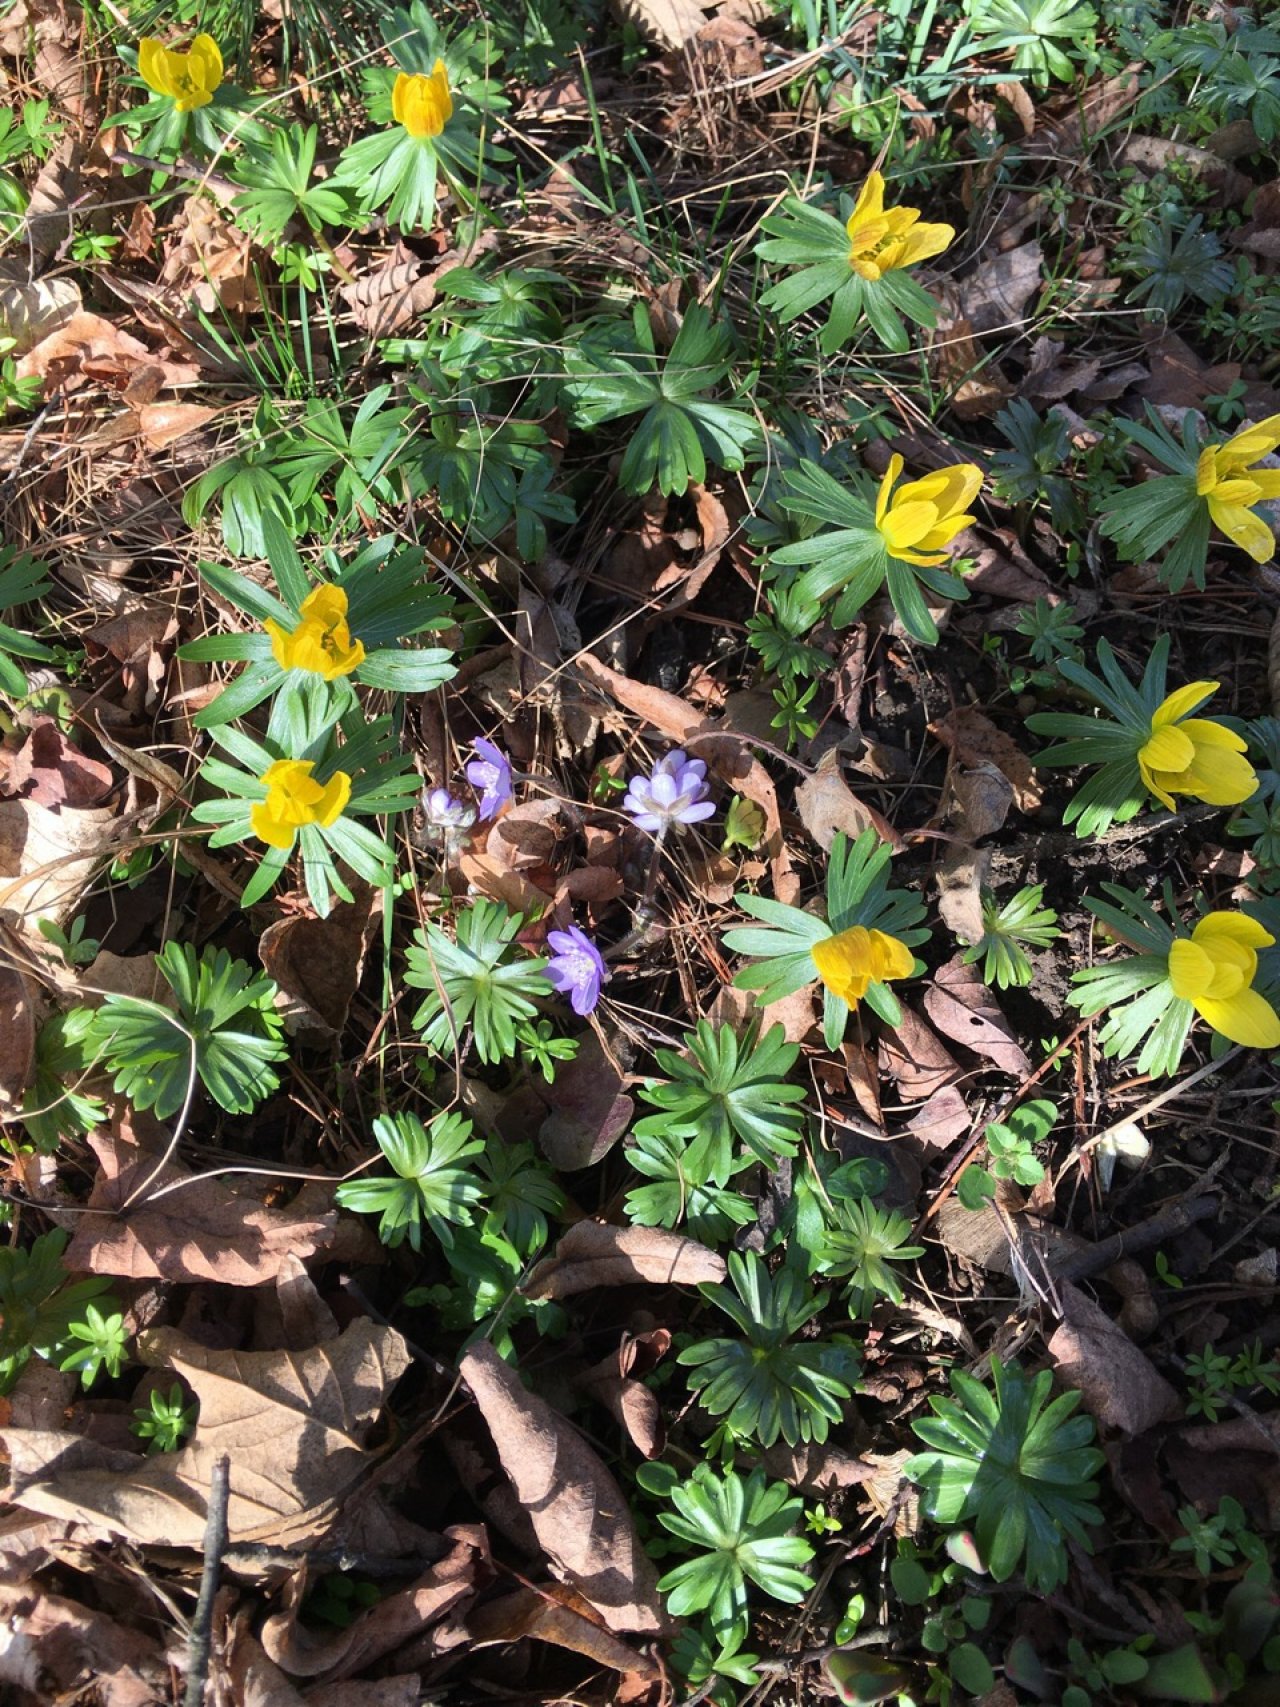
973, 739
58, 1649
32, 308
817, 1469
48, 858
202, 1231
724, 753
942, 1119
1121, 1386
827, 806
553, 1613
577, 1510
52, 771
963, 1009
291, 1423
594, 1253
334, 1654
318, 963
978, 804
616, 1382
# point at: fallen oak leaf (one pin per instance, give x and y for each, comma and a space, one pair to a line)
827, 807
1121, 1386
577, 1510
594, 1253
291, 1423
56, 1648
615, 1382
52, 771
555, 1614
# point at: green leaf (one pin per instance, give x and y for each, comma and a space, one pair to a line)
474, 982
433, 1184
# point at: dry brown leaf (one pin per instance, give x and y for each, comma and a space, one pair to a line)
318, 963
204, 1231
577, 1510
553, 1613
1121, 1386
291, 1423
334, 1654
17, 1037
963, 1009
30, 309
915, 1058
56, 1649
595, 1253
616, 1382
48, 859
994, 297
971, 736
942, 1120
588, 1108
163, 424
670, 23
976, 805
52, 771
817, 1469
87, 347
724, 752
827, 807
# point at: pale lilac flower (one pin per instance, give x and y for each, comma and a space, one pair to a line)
445, 813
675, 793
489, 773
576, 968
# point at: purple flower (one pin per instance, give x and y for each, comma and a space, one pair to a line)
576, 968
675, 793
443, 812
489, 773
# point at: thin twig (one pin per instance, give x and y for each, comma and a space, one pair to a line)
200, 1641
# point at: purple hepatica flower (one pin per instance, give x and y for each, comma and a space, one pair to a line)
675, 793
445, 813
576, 968
489, 773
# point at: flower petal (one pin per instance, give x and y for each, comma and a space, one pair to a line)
1252, 442
1190, 969
1245, 529
1182, 701
1235, 927
1169, 749
1246, 1018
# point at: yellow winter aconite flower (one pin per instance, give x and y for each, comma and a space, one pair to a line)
881, 238
1230, 487
423, 105
856, 958
918, 520
322, 641
1214, 969
295, 798
1194, 755
189, 79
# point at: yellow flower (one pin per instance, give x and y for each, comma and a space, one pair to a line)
880, 239
189, 79
1194, 755
856, 958
1214, 969
294, 798
923, 516
322, 641
423, 105
1231, 487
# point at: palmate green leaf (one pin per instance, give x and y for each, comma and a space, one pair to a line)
522, 1192
851, 561
761, 1384
861, 1246
278, 186
614, 375
710, 1214
1008, 930
392, 167
1015, 1467
742, 1532
726, 1089
481, 980
434, 1183
53, 1107
23, 581
224, 1033
858, 893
